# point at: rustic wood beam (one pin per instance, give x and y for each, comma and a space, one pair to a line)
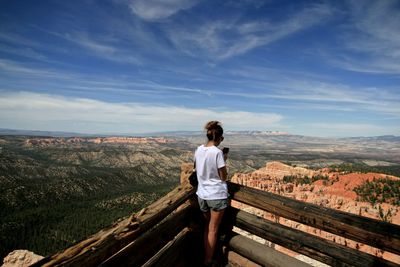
262, 254
379, 234
172, 253
145, 246
323, 250
100, 246
235, 259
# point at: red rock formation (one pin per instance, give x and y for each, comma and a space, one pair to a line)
335, 192
43, 142
129, 140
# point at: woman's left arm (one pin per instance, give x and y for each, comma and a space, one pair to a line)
223, 173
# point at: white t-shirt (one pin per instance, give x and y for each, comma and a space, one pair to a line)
208, 161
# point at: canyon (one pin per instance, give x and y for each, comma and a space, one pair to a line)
330, 189
93, 181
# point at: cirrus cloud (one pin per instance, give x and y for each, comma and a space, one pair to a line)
159, 9
25, 110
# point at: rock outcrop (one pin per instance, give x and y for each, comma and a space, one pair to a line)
20, 258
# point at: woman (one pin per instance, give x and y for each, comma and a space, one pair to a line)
212, 191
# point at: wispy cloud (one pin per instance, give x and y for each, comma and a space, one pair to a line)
19, 45
102, 47
31, 75
159, 9
373, 34
370, 65
379, 22
16, 68
308, 89
83, 39
26, 110
297, 92
16, 39
26, 52
226, 38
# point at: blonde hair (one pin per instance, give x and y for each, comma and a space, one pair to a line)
214, 130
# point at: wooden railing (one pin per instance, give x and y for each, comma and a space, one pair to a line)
168, 233
379, 234
134, 240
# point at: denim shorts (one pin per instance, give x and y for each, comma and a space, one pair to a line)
215, 204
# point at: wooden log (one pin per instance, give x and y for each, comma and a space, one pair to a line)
323, 250
262, 254
186, 171
145, 246
171, 253
108, 241
379, 234
235, 259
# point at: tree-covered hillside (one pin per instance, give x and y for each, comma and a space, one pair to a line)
53, 196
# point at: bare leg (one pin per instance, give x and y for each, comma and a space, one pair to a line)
212, 230
205, 237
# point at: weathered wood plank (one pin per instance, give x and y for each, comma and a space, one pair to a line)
315, 247
235, 259
262, 254
100, 246
171, 253
379, 234
145, 246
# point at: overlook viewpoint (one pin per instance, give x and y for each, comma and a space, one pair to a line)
295, 201
260, 229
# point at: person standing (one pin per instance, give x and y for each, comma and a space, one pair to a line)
212, 190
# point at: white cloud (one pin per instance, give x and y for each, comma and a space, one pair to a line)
379, 22
373, 33
84, 40
159, 9
305, 90
100, 47
26, 110
373, 65
13, 67
227, 38
293, 88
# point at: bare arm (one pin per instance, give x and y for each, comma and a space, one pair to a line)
223, 174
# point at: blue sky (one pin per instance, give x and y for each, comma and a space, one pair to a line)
318, 68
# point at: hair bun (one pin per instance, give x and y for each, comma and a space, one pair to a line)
214, 130
212, 125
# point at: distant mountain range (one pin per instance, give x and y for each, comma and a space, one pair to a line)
175, 134
41, 133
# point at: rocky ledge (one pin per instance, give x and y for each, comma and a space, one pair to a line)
20, 258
